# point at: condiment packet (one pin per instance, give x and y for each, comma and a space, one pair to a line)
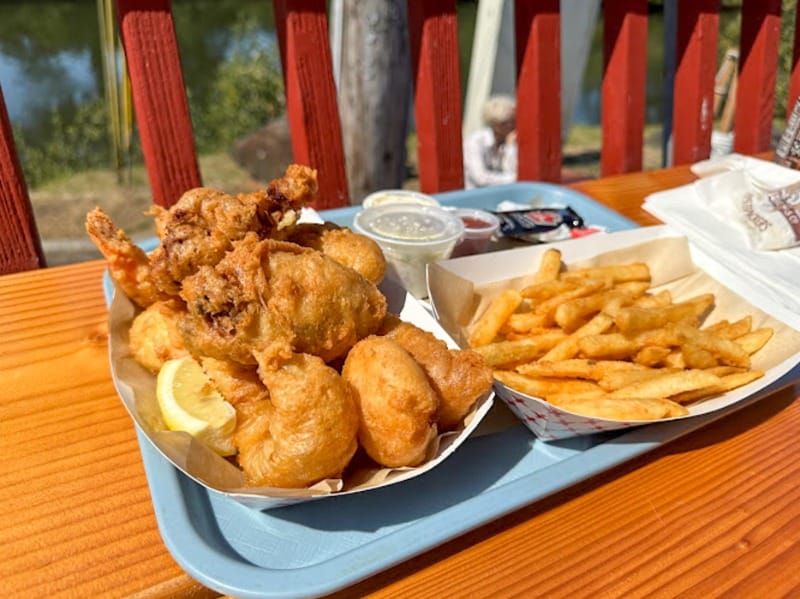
541, 224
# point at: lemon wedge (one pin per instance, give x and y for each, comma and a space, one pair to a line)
189, 402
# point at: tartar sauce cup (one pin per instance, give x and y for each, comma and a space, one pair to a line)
398, 196
411, 236
479, 227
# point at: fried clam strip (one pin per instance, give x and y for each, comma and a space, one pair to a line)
128, 264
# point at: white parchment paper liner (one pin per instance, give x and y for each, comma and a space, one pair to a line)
461, 289
136, 388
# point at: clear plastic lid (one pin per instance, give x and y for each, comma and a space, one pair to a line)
409, 224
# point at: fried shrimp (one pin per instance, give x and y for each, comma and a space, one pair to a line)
155, 336
460, 377
306, 430
397, 405
359, 252
128, 264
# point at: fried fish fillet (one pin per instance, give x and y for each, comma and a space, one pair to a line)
359, 252
460, 377
274, 297
306, 431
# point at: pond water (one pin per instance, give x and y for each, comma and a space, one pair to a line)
50, 53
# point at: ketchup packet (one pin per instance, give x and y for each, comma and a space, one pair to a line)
539, 225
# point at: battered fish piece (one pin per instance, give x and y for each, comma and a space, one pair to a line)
460, 377
155, 336
275, 298
306, 430
359, 252
398, 407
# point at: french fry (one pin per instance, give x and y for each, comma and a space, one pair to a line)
651, 355
543, 387
549, 266
636, 318
622, 378
550, 305
662, 298
547, 289
524, 322
608, 346
492, 319
731, 330
504, 353
754, 340
569, 347
727, 383
697, 357
669, 384
593, 370
637, 271
727, 351
610, 408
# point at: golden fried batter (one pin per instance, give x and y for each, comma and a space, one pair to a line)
272, 297
128, 264
398, 407
306, 430
460, 377
359, 252
155, 336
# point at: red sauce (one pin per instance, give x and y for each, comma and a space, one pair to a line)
474, 223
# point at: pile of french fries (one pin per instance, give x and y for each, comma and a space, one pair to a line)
600, 343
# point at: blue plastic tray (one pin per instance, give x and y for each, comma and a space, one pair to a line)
316, 548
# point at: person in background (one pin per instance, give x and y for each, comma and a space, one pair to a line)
490, 153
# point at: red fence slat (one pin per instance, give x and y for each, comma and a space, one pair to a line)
696, 49
758, 60
433, 34
538, 52
311, 105
159, 97
21, 248
623, 88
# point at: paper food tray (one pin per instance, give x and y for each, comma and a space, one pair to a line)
462, 288
136, 388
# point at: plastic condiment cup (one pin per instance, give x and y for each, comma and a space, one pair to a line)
411, 236
479, 227
398, 196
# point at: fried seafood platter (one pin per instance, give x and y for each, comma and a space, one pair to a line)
333, 380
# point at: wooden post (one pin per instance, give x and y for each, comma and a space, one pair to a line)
758, 60
623, 89
374, 94
693, 109
437, 93
159, 97
21, 248
538, 50
311, 108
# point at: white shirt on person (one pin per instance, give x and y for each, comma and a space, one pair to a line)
485, 164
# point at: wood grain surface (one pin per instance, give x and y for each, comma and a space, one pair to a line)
715, 513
